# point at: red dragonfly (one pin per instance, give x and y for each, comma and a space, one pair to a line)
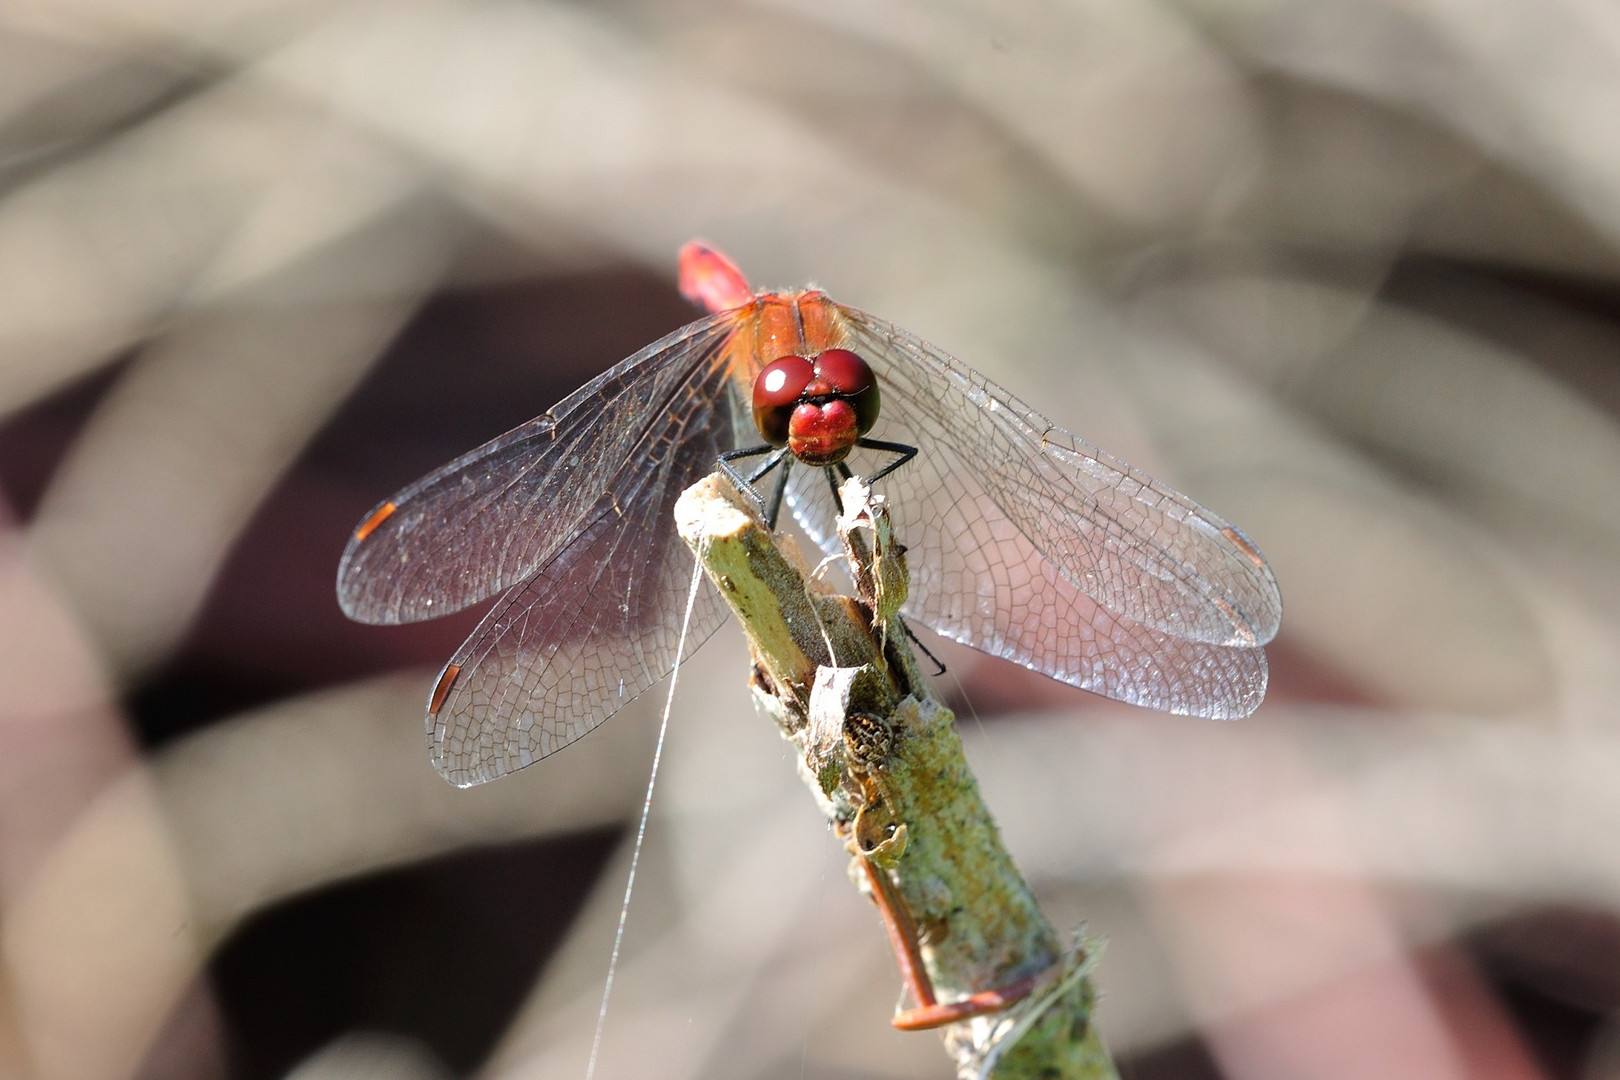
1023, 541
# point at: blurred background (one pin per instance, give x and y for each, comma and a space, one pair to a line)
1347, 271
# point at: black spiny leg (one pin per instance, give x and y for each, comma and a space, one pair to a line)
745, 484
775, 509
902, 454
780, 456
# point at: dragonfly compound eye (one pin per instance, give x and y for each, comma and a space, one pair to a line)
817, 409
851, 379
777, 390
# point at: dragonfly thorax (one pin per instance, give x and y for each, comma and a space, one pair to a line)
816, 407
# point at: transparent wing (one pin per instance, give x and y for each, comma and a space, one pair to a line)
491, 518
600, 620
1026, 542
568, 648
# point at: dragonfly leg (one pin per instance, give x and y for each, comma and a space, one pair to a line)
917, 641
775, 509
835, 473
745, 484
902, 454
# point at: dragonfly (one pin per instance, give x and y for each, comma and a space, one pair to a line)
1023, 540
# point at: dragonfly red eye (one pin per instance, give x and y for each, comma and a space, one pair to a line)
851, 378
776, 392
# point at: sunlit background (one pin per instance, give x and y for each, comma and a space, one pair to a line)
1347, 271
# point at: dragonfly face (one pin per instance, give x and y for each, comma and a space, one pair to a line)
816, 408
1023, 540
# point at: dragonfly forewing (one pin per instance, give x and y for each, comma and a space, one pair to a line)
486, 521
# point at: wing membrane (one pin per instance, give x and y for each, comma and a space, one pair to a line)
568, 648
491, 518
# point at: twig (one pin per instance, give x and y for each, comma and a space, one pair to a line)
884, 763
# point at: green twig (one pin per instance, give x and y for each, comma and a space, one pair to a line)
884, 763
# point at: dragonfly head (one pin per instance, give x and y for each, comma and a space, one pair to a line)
816, 407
